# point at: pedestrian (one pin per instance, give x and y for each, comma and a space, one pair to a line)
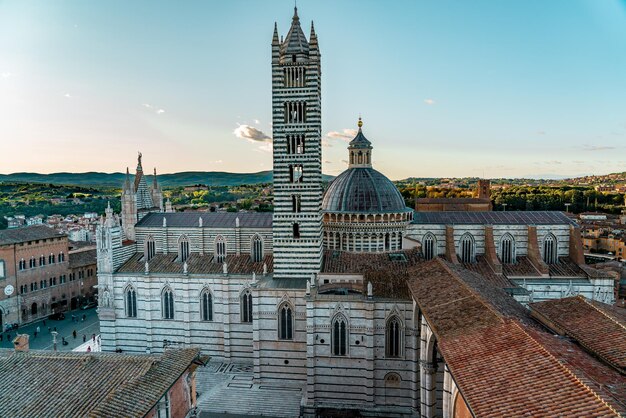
55, 329
93, 338
49, 330
84, 317
35, 334
38, 330
44, 322
89, 349
84, 338
99, 340
74, 334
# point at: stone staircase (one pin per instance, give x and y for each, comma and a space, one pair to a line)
227, 390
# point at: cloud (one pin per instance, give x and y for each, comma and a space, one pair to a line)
6, 74
256, 121
217, 162
155, 109
597, 147
345, 134
251, 134
429, 101
67, 95
541, 132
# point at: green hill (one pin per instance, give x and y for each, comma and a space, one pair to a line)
211, 178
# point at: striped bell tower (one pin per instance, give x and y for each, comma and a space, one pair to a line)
297, 132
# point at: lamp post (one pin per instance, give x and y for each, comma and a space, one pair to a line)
54, 340
567, 205
504, 206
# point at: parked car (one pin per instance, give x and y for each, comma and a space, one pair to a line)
57, 316
89, 305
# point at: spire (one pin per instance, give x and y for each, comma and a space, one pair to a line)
127, 181
154, 180
275, 35
139, 167
295, 13
295, 41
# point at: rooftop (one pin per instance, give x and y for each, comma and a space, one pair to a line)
606, 338
27, 233
196, 264
493, 218
72, 384
209, 219
82, 258
504, 362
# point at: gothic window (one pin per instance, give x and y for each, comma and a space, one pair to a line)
339, 335
429, 246
285, 322
151, 249
220, 249
467, 250
22, 264
549, 249
296, 203
61, 257
167, 303
246, 306
257, 249
295, 112
295, 144
296, 230
507, 249
42, 261
32, 263
183, 248
295, 173
393, 337
130, 298
206, 305
51, 259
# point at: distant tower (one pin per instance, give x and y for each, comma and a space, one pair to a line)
297, 131
484, 189
139, 200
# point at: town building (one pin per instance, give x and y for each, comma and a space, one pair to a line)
480, 203
39, 275
321, 294
72, 384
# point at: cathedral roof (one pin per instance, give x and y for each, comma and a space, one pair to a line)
362, 189
295, 42
493, 218
209, 219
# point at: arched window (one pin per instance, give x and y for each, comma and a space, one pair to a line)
549, 249
246, 306
61, 257
130, 298
429, 246
393, 337
339, 336
183, 248
33, 309
51, 258
42, 261
296, 201
296, 230
151, 248
507, 249
285, 322
220, 249
206, 305
466, 247
167, 303
257, 249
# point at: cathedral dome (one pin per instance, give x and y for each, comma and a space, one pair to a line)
362, 189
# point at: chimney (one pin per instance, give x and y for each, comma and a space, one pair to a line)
21, 342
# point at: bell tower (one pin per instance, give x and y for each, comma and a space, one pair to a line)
297, 132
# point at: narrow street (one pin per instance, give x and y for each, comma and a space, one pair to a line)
65, 327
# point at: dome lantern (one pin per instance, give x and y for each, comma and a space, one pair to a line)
360, 149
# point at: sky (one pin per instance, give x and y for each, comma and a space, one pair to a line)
446, 88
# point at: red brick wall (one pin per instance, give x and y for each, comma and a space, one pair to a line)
182, 397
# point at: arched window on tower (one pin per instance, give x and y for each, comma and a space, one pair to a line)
296, 173
183, 248
467, 250
549, 249
246, 306
150, 248
429, 246
339, 335
296, 230
393, 337
285, 322
220, 249
206, 305
507, 249
130, 299
257, 249
167, 303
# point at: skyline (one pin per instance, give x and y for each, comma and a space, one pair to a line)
445, 90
